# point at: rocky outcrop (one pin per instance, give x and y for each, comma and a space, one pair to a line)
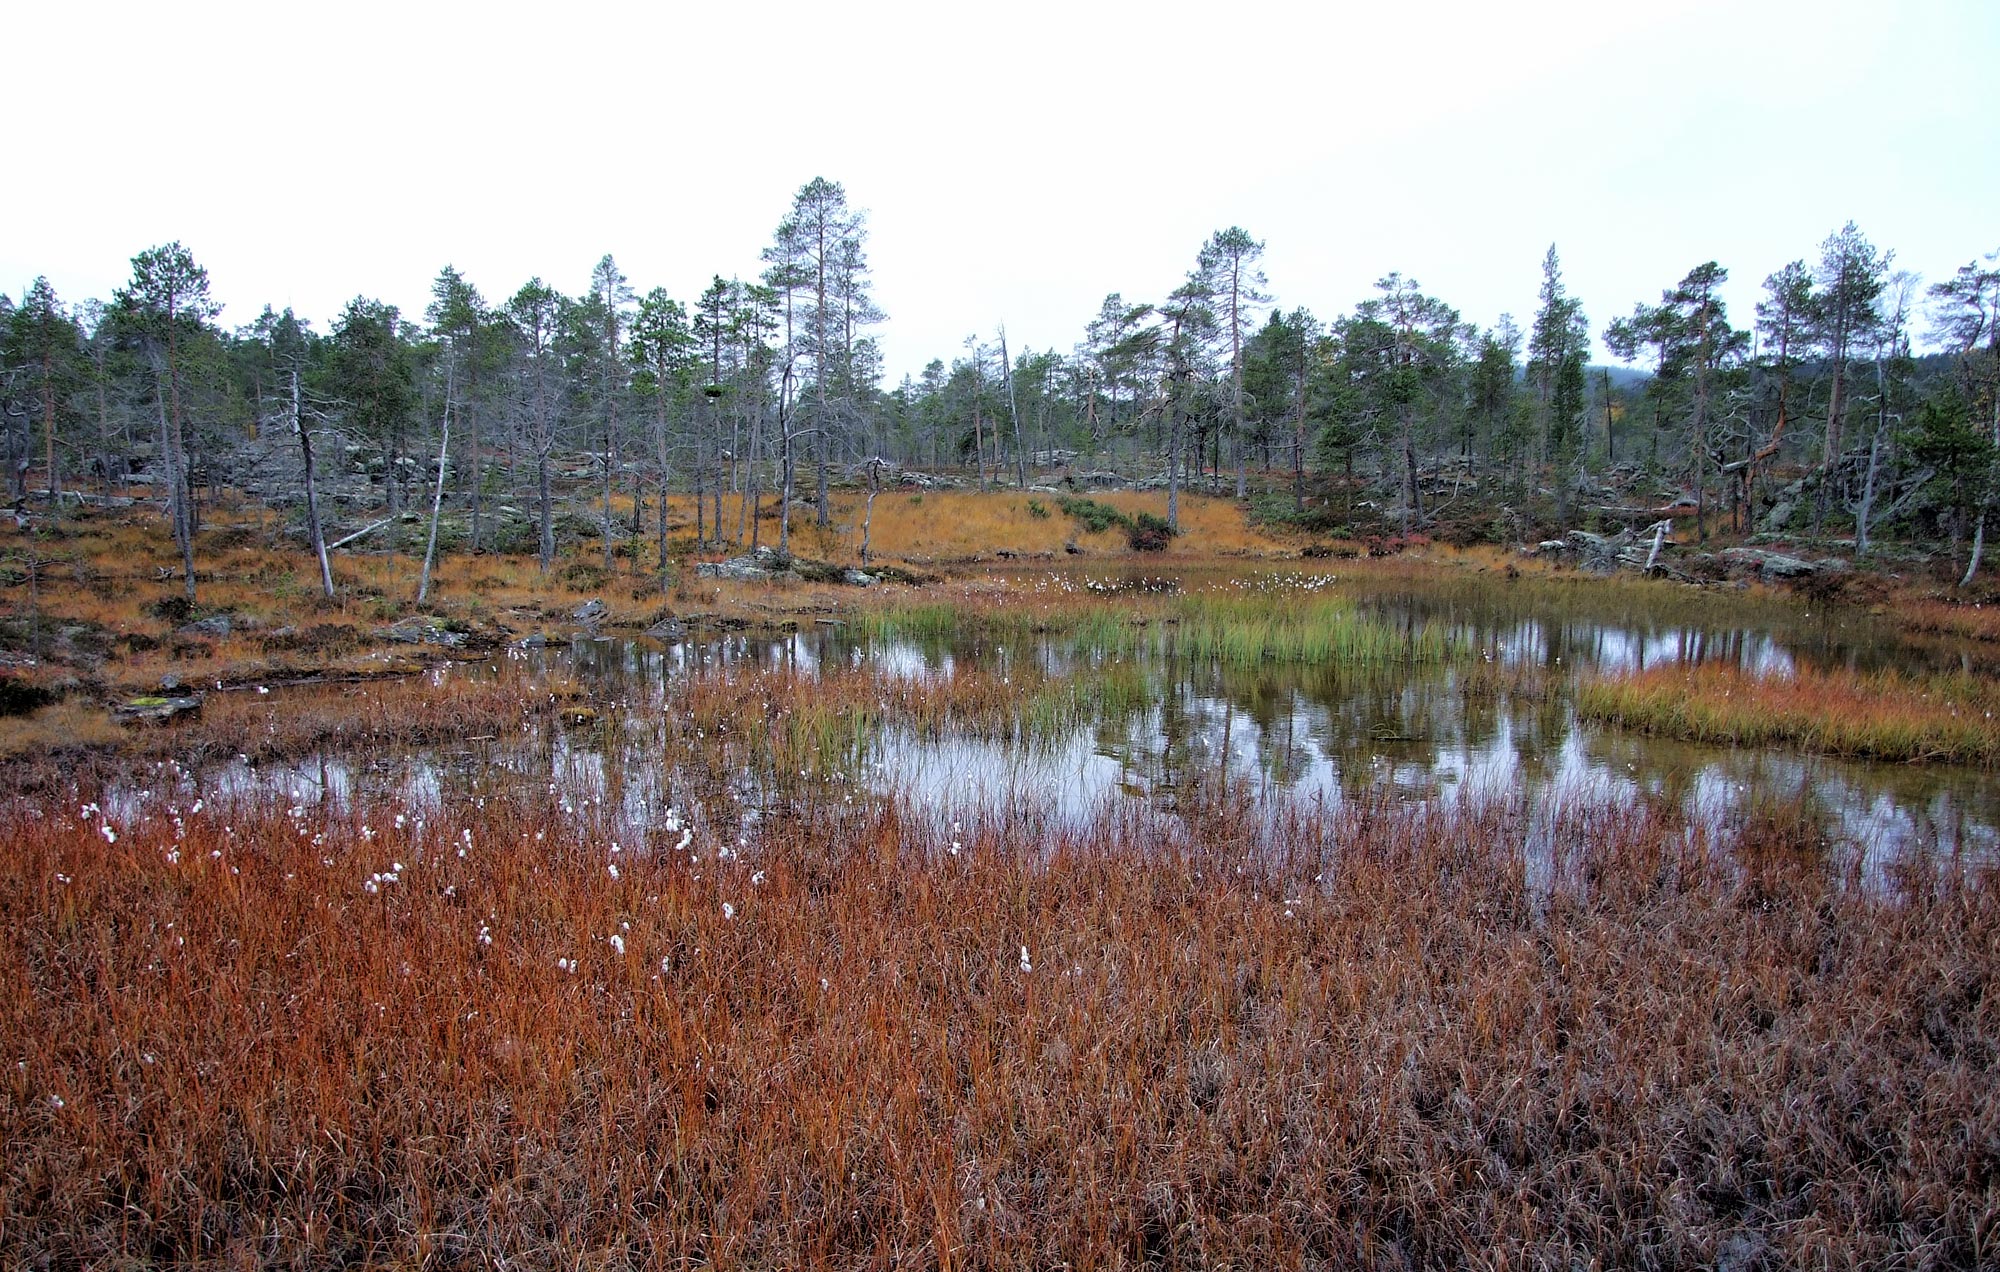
1775, 565
768, 565
761, 565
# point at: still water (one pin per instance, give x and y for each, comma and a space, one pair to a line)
1497, 724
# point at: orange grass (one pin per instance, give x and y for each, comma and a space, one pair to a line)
946, 525
232, 1041
1950, 719
1967, 622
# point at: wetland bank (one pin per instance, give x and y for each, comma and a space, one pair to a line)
1245, 913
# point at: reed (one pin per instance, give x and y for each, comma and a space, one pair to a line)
1235, 627
1886, 716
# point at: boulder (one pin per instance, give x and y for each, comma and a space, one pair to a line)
760, 565
421, 630
1771, 565
156, 708
1597, 551
213, 625
590, 613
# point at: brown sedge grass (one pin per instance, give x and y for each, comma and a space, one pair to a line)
1882, 716
1372, 1038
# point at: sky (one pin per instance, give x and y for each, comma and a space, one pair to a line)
1017, 162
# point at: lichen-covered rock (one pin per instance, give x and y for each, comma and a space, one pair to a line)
156, 708
420, 630
760, 565
1771, 565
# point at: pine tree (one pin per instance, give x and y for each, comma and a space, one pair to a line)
1850, 278
45, 346
1965, 316
1558, 347
169, 301
1229, 263
664, 351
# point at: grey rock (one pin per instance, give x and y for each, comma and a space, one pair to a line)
213, 625
751, 567
1597, 551
1772, 565
668, 629
156, 710
859, 578
418, 630
591, 612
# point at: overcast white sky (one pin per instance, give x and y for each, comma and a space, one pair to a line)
1017, 161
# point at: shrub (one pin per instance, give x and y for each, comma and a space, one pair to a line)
585, 576
1277, 509
172, 609
18, 697
1148, 533
512, 538
1095, 517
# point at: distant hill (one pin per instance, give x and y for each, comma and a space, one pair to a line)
1621, 377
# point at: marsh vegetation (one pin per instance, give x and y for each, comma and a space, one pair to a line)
1212, 915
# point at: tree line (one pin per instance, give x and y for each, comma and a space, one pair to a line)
1816, 416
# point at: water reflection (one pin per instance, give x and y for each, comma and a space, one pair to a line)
1498, 728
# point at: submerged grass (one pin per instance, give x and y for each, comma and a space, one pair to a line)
1884, 716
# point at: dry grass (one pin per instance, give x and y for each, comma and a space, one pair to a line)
1948, 719
1370, 1044
1930, 616
513, 1025
55, 731
950, 525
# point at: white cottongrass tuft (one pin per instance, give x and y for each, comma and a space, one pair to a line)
1026, 966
